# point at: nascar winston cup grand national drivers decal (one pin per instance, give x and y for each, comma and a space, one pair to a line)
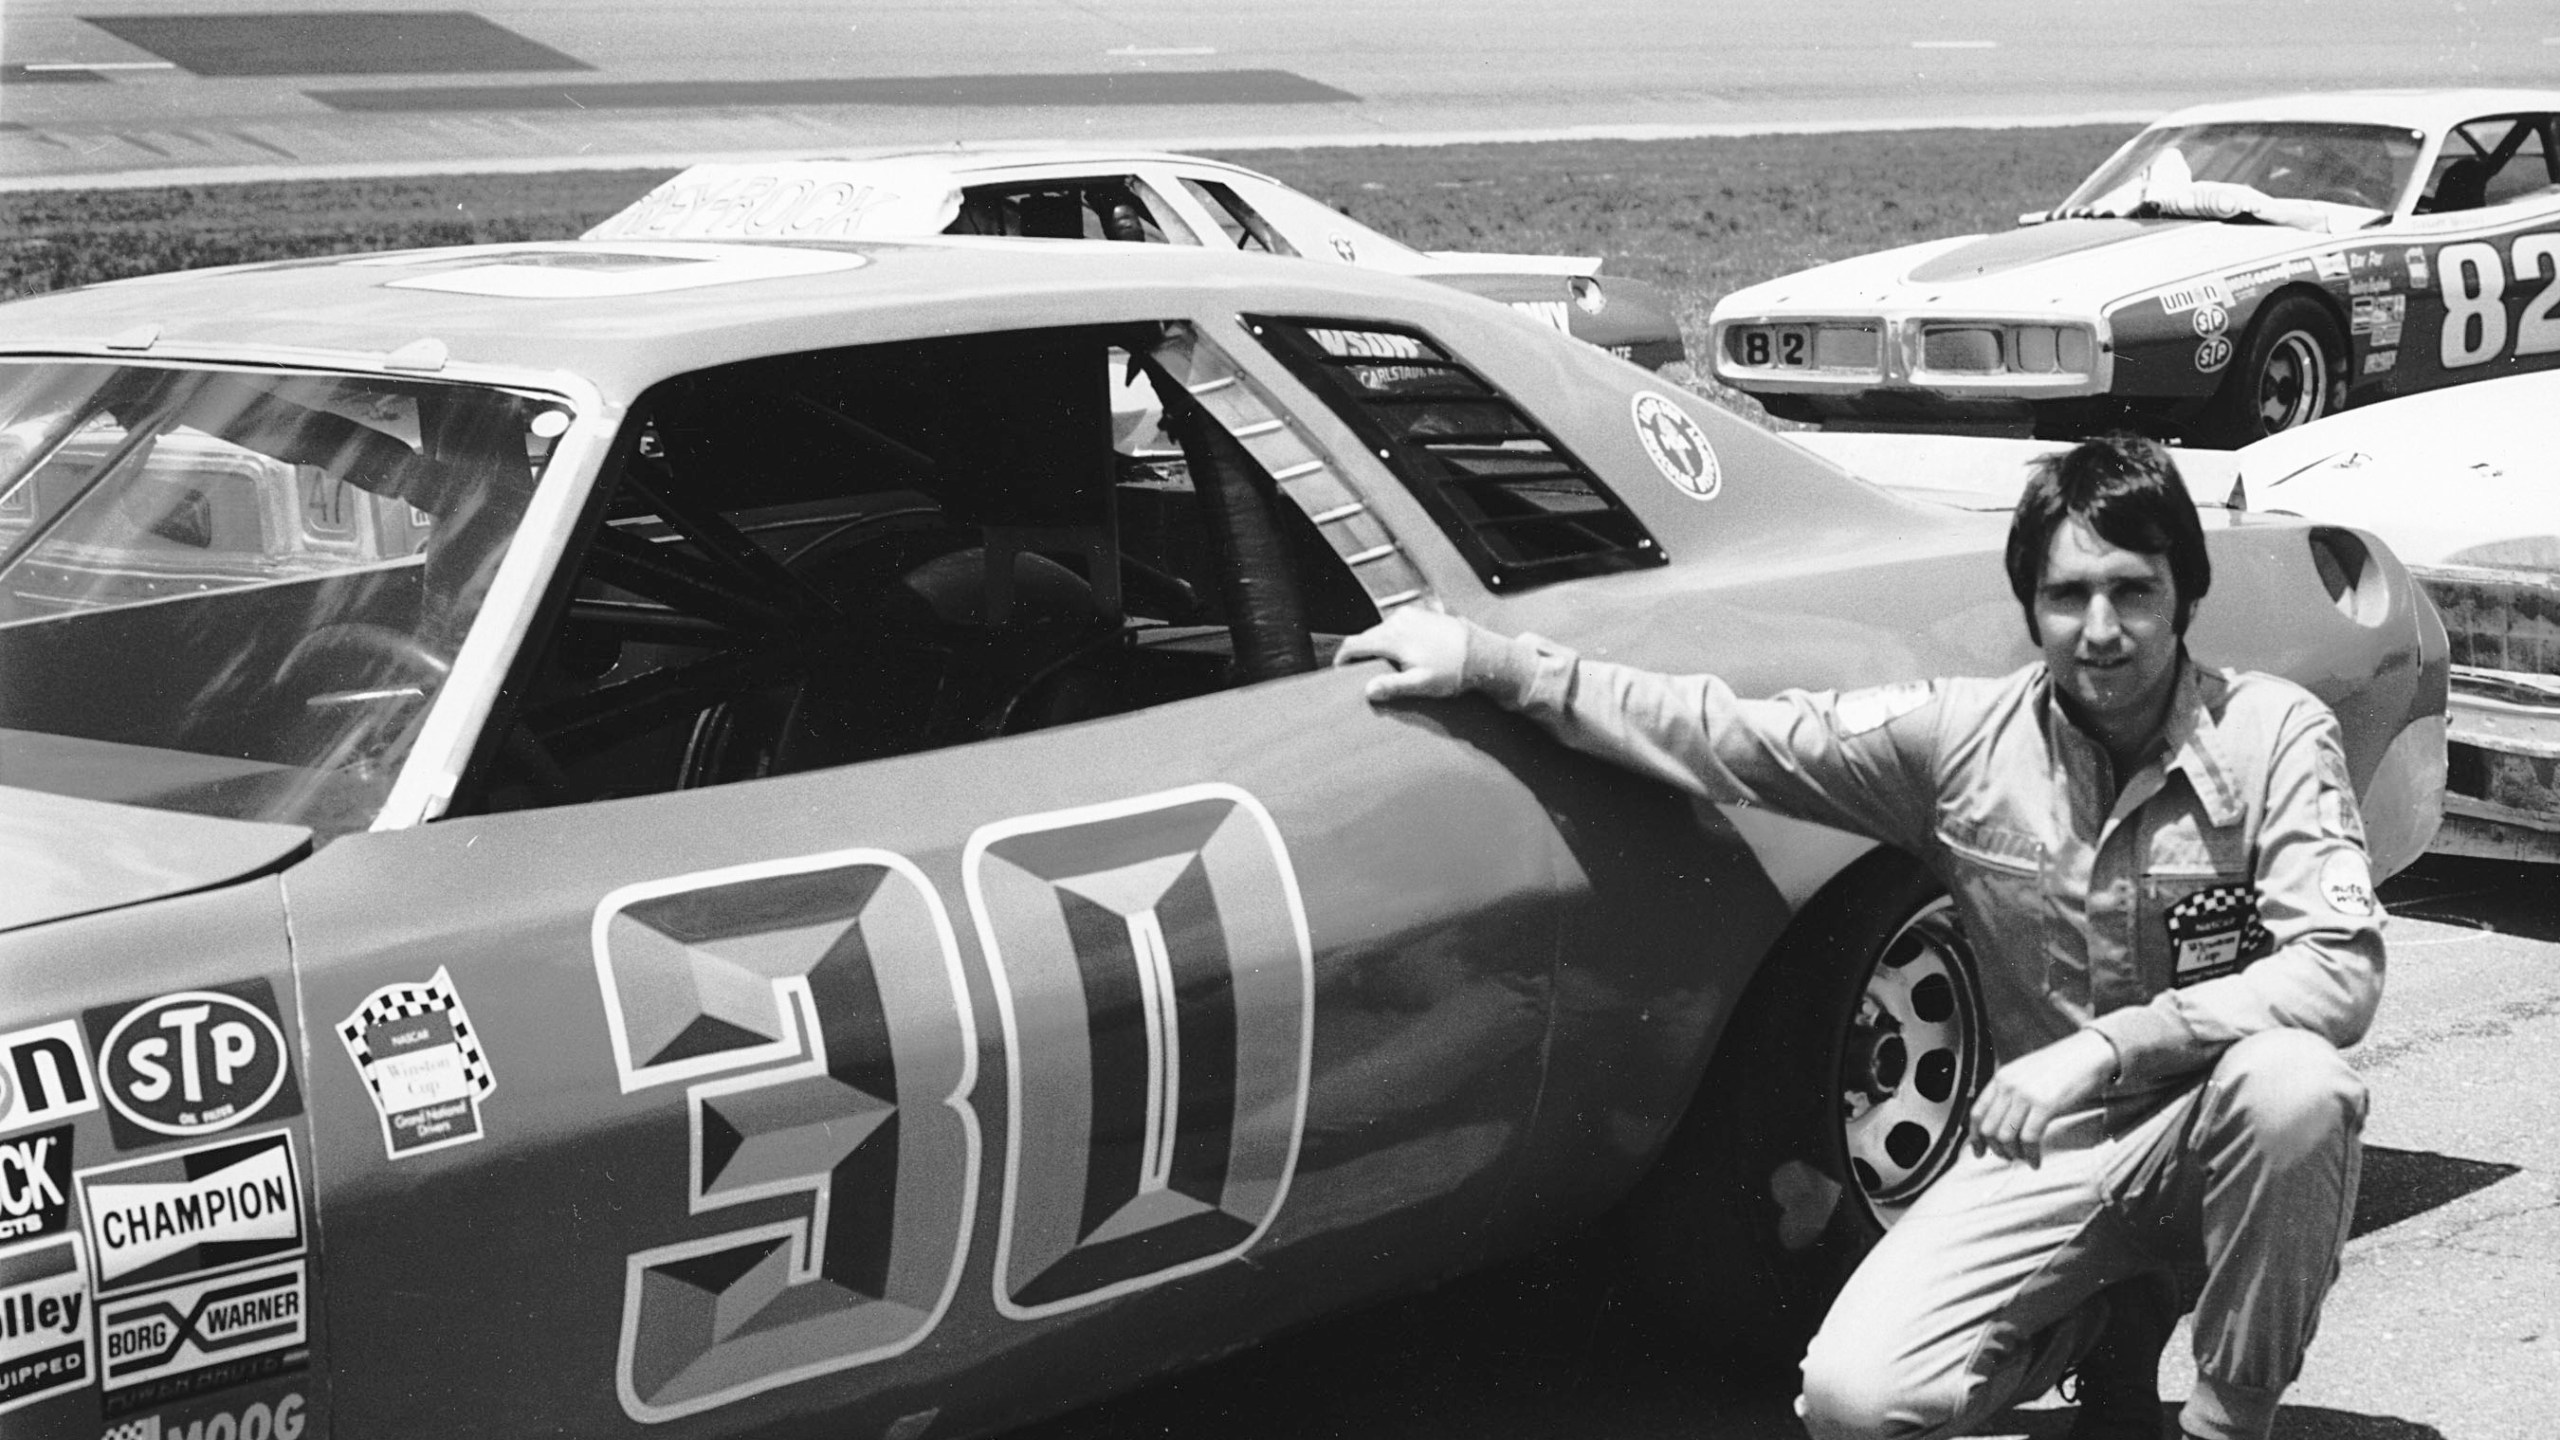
421, 1062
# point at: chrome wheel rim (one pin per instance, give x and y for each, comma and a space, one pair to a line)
1912, 1062
2293, 385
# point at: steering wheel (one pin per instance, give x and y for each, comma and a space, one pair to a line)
392, 672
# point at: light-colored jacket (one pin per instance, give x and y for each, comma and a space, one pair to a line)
2223, 891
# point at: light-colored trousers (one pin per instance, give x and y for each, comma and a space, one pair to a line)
1979, 1297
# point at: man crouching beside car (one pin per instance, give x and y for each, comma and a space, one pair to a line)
2162, 870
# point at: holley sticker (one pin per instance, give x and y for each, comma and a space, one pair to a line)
421, 1061
45, 1315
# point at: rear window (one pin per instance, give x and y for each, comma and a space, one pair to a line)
1522, 509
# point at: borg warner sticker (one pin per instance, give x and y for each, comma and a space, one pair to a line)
194, 1063
198, 1262
1677, 447
44, 1075
421, 1061
2214, 932
35, 1185
45, 1324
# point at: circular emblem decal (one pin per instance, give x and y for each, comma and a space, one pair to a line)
192, 1063
2213, 354
1678, 447
2211, 319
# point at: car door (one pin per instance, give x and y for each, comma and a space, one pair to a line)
934, 1088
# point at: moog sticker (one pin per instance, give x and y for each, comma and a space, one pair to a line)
422, 1063
45, 1329
2214, 932
193, 1063
1677, 447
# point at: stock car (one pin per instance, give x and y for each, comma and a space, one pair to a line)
1139, 196
794, 873
2233, 271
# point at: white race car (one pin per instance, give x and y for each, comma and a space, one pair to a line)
1130, 195
2235, 270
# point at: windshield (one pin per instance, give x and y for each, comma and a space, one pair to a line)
235, 593
2312, 174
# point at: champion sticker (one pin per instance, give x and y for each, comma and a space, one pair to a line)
421, 1060
2214, 932
2346, 882
1679, 449
1860, 711
2213, 354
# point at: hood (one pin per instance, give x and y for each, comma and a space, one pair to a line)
67, 856
2081, 265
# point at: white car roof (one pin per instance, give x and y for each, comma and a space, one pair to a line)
2432, 111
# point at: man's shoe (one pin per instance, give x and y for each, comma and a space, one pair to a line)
2119, 1379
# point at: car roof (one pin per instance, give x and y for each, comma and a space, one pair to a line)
977, 167
625, 314
2429, 110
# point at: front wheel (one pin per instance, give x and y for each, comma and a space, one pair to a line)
2291, 370
1838, 1094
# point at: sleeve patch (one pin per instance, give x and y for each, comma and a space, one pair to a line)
2346, 882
1860, 711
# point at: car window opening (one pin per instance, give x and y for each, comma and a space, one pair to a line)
827, 558
2492, 161
1115, 207
1245, 227
1523, 509
236, 593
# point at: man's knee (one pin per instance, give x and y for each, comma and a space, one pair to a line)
1849, 1398
2291, 1083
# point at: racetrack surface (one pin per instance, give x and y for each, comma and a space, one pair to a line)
543, 83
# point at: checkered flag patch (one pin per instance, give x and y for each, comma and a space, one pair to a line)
2219, 911
145, 1428
393, 1003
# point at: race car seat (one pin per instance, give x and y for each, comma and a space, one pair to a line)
2464, 185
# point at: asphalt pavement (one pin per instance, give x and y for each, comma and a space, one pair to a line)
248, 89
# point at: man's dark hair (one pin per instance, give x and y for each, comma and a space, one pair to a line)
2128, 489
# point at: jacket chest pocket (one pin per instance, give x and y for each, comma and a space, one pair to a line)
2000, 870
2199, 916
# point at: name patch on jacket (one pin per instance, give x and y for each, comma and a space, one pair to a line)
2214, 932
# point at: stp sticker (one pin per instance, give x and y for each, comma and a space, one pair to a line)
2213, 353
2211, 319
35, 1185
44, 1324
1678, 448
193, 1063
422, 1063
44, 1075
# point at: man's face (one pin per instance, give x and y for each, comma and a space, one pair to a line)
2107, 618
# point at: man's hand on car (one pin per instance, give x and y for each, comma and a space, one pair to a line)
1427, 649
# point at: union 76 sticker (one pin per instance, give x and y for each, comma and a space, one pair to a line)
1679, 449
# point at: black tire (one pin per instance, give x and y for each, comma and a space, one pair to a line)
1836, 1096
2291, 370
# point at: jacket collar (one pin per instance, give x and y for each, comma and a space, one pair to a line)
2192, 738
